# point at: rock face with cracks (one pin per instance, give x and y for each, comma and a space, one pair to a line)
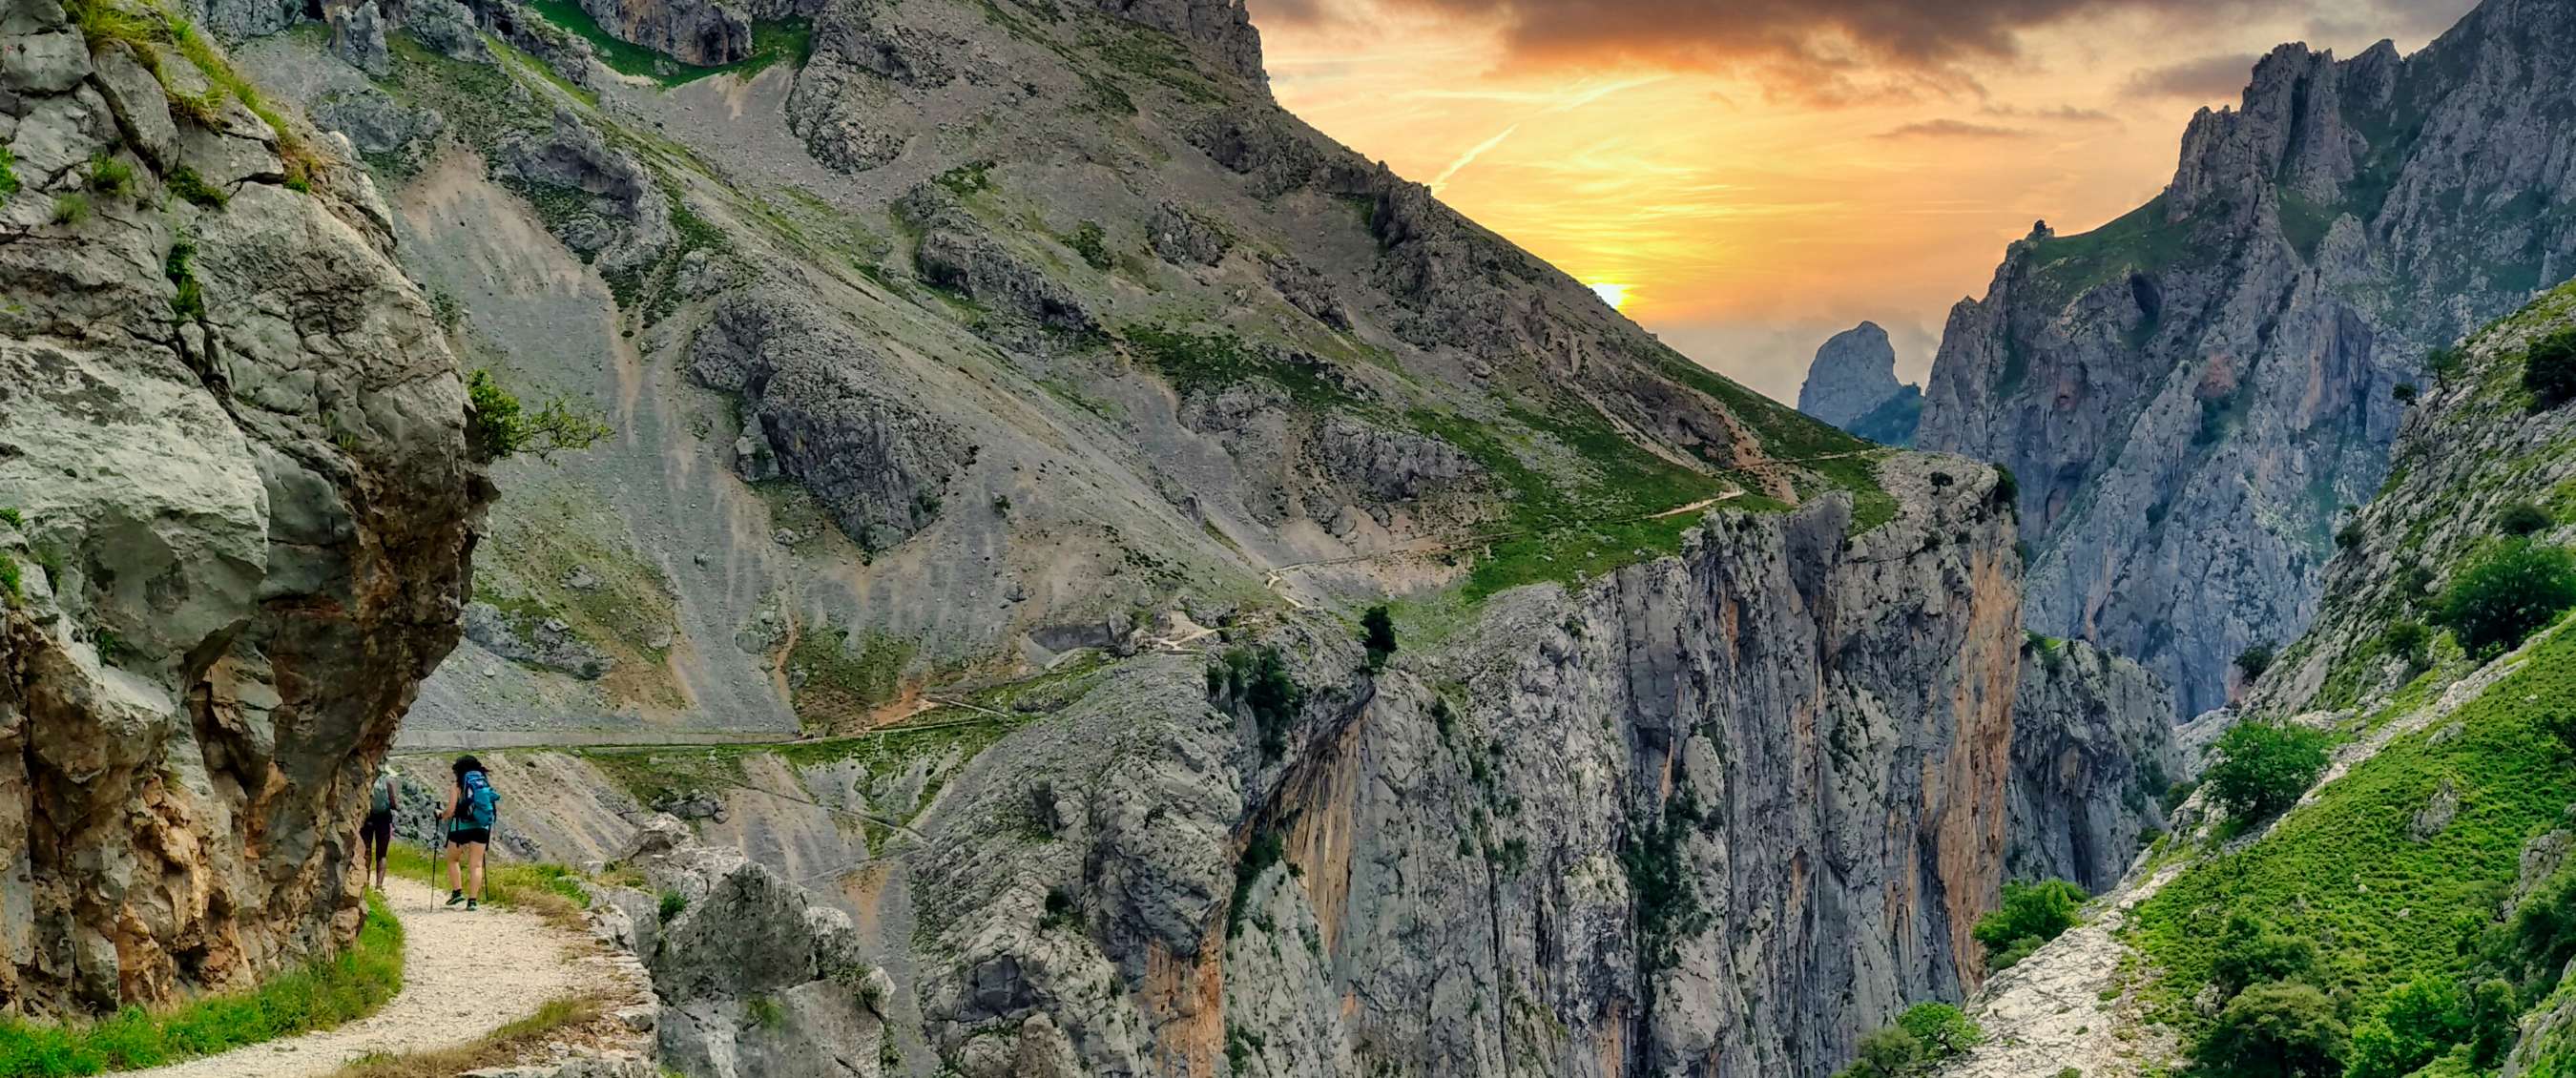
232, 447
2191, 396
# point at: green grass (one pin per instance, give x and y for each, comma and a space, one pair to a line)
321, 995
2139, 241
1192, 362
2382, 907
846, 679
549, 891
771, 41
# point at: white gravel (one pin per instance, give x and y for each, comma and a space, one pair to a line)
464, 975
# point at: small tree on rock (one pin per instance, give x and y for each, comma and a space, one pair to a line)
2032, 914
2252, 952
1377, 633
2549, 369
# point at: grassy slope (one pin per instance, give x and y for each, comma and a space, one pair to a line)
2345, 871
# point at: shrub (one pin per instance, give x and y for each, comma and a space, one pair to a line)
1886, 1052
10, 584
1093, 245
1256, 680
2406, 639
71, 209
2254, 660
2350, 535
498, 428
2507, 594
2263, 767
2416, 1022
1941, 1029
2549, 368
2031, 915
673, 903
2276, 1030
2402, 392
2523, 518
1377, 633
764, 1012
185, 183
2251, 952
2541, 936
8, 173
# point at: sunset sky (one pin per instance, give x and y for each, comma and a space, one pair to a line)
1761, 174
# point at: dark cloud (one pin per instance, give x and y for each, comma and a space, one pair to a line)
2198, 79
1826, 49
1952, 129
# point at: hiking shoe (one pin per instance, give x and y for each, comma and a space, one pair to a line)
472, 904
454, 897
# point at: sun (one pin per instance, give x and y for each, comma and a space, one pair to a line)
1616, 295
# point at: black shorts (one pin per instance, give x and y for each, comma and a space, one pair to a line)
378, 832
469, 836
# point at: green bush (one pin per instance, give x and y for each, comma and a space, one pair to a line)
2402, 392
2275, 1030
2422, 1020
2406, 639
110, 176
2504, 596
1377, 633
2031, 915
1256, 680
2549, 368
2261, 768
1093, 245
2350, 535
8, 173
71, 209
673, 903
2443, 363
2254, 660
498, 428
2522, 518
2252, 952
1886, 1052
1941, 1029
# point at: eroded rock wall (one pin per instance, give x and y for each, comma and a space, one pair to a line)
232, 444
1713, 814
2093, 752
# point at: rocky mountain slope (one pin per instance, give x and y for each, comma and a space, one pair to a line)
2437, 832
235, 507
1016, 404
2191, 396
1852, 385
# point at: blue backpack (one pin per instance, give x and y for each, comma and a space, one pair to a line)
482, 802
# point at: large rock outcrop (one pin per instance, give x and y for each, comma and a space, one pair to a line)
1852, 384
238, 505
2093, 752
2191, 395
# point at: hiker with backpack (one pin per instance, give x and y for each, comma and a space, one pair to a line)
377, 835
472, 808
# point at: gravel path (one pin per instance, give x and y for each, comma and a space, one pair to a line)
464, 974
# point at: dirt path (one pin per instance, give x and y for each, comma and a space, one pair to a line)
464, 974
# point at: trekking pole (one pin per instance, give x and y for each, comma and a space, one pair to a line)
434, 837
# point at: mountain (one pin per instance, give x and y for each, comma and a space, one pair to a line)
2429, 848
2193, 395
1852, 385
1017, 421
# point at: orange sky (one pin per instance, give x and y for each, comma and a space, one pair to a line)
1751, 220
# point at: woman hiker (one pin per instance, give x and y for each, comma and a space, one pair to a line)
472, 808
377, 836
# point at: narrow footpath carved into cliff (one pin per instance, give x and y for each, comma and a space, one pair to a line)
464, 975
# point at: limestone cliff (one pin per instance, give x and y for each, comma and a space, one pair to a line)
235, 509
2093, 753
1713, 814
1852, 384
2191, 395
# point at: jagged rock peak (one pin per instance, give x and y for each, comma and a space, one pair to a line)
1853, 372
2212, 378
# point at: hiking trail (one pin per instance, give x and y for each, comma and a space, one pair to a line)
464, 975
